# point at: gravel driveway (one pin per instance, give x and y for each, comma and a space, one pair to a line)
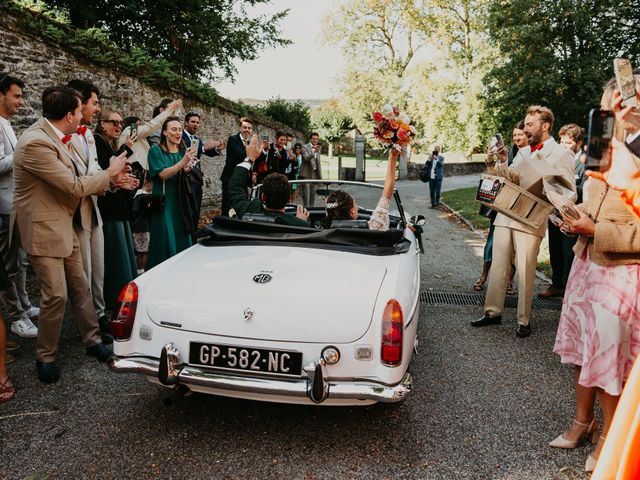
485, 405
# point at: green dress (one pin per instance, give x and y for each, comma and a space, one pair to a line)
169, 235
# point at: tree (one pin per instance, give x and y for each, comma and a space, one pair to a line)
294, 114
381, 38
557, 54
331, 123
202, 38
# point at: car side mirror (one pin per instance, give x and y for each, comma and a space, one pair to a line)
418, 220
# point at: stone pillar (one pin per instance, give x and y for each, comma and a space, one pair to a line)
360, 171
405, 157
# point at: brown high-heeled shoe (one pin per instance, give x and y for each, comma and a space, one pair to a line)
590, 429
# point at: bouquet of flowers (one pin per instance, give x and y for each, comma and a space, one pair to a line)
392, 128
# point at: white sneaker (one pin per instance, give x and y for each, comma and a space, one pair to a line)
33, 312
24, 328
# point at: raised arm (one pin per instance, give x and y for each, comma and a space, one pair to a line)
390, 180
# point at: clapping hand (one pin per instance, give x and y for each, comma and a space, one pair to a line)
173, 107
302, 213
254, 149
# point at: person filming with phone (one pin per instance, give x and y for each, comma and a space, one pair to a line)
599, 328
435, 167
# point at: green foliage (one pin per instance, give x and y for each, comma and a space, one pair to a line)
463, 202
200, 38
330, 122
428, 57
295, 114
558, 54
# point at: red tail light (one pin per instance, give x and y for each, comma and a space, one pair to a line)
122, 319
392, 331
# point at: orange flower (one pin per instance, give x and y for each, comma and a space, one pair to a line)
403, 135
394, 124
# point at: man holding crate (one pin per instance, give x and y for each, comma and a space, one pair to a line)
516, 242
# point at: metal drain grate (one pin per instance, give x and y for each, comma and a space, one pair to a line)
477, 300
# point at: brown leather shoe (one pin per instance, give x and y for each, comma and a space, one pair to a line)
11, 346
551, 292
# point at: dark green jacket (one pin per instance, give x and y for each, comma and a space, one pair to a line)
238, 185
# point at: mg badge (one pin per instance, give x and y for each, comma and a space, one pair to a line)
248, 313
262, 278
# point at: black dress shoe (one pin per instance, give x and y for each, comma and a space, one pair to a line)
523, 331
99, 351
486, 320
48, 372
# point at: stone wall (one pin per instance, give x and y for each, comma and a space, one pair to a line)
42, 64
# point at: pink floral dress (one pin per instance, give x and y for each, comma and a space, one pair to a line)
599, 325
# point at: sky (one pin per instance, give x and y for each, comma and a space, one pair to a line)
307, 68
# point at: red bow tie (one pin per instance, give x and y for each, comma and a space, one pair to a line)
67, 138
82, 129
536, 147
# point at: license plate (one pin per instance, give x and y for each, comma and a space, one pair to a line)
245, 359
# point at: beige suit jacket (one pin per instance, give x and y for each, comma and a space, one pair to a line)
556, 156
87, 166
48, 191
308, 159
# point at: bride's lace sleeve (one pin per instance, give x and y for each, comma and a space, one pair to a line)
380, 216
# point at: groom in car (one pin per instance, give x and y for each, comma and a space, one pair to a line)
275, 194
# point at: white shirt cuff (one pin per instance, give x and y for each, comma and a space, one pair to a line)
633, 136
246, 164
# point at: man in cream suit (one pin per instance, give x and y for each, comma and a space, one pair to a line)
514, 241
48, 190
87, 221
15, 298
310, 168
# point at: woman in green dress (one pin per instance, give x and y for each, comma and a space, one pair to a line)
115, 209
169, 165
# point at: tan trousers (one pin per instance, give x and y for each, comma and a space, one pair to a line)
92, 251
55, 276
522, 249
14, 298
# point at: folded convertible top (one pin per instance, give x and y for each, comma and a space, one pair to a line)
224, 230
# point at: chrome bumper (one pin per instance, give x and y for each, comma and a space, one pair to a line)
173, 374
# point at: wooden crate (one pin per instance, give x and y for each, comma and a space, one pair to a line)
513, 201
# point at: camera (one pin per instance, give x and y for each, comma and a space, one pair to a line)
434, 153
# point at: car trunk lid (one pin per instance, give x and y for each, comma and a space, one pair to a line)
278, 293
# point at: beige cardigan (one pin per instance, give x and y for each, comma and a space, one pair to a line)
617, 237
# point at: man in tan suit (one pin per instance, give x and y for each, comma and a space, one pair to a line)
88, 222
47, 194
516, 242
310, 168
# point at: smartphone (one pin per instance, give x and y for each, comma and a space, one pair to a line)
134, 130
265, 138
599, 137
195, 146
625, 81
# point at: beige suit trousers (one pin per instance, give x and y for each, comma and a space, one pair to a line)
14, 298
55, 276
521, 248
92, 251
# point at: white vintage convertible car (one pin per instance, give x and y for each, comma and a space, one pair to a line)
264, 311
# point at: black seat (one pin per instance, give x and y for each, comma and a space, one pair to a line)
354, 224
259, 217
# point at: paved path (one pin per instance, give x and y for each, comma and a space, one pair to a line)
485, 405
